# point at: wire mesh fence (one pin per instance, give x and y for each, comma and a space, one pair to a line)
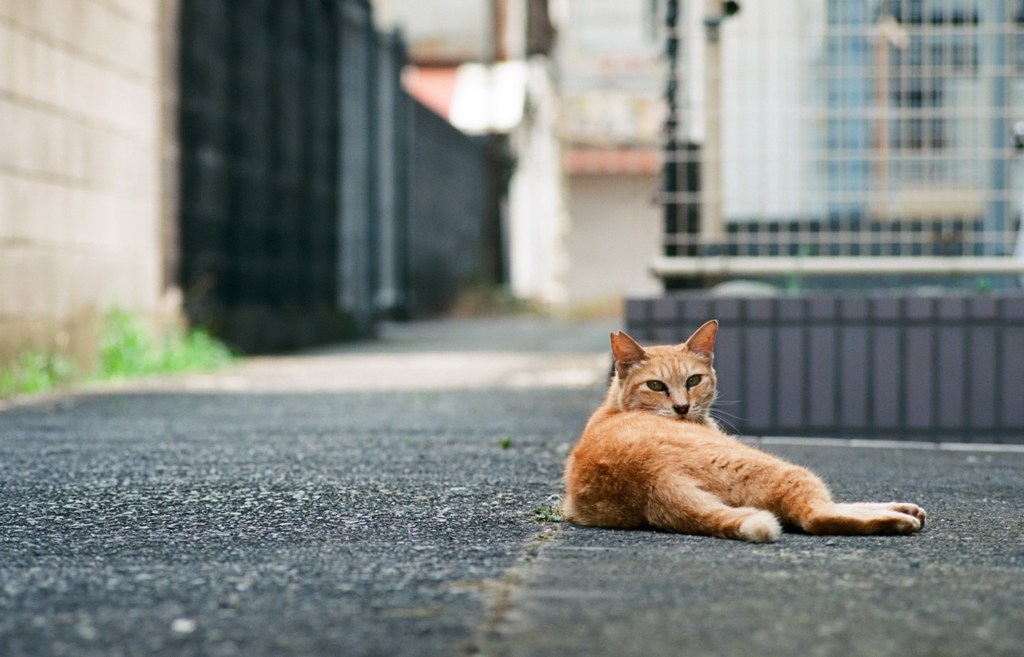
839, 129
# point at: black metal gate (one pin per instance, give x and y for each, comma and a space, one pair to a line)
317, 195
281, 215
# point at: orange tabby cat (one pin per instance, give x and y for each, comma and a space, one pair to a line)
651, 456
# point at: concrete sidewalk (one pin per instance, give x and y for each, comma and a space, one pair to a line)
515, 352
378, 499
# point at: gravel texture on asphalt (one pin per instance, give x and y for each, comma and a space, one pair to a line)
396, 520
341, 524
957, 588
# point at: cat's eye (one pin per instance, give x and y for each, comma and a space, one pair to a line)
693, 381
657, 386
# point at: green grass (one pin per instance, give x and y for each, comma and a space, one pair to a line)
34, 372
129, 349
126, 349
547, 514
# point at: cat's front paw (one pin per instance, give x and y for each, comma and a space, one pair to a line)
760, 527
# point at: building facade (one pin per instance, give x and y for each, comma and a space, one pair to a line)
611, 77
852, 128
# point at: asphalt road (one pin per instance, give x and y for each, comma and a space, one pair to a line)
356, 502
955, 589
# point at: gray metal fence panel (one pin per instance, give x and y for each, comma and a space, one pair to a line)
942, 368
448, 213
392, 149
357, 146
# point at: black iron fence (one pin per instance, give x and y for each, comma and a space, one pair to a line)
303, 170
934, 368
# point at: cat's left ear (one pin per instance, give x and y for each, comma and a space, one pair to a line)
627, 353
702, 342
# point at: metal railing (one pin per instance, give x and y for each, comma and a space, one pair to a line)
839, 138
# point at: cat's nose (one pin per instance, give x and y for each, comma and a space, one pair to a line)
681, 409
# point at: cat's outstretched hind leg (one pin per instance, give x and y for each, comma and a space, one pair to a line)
865, 518
901, 507
801, 498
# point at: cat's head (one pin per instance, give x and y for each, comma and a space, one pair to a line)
672, 381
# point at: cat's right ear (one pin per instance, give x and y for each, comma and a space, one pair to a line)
627, 353
702, 342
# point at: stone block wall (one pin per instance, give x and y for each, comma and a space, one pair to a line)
84, 190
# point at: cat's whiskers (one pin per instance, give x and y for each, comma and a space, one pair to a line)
716, 415
718, 411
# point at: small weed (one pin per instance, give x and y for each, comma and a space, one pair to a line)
547, 514
505, 443
35, 372
127, 348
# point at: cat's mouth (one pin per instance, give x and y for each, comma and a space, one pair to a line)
689, 416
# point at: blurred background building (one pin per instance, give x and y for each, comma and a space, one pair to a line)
611, 72
289, 173
575, 89
882, 128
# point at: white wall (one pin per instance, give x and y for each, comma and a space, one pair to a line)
441, 30
614, 234
768, 50
81, 143
536, 216
611, 74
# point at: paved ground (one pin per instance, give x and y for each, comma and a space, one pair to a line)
379, 499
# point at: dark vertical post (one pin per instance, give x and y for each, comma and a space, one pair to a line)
997, 209
373, 160
403, 184
355, 84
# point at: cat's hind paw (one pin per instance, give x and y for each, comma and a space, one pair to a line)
760, 527
864, 519
906, 508
909, 509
